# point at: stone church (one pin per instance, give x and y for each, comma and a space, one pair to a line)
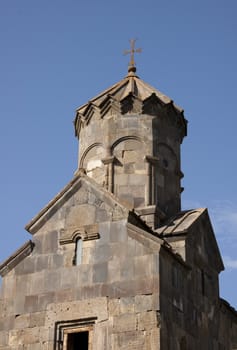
114, 263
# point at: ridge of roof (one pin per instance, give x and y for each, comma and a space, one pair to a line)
41, 217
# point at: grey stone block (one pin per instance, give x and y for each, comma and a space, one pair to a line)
133, 340
124, 323
50, 242
4, 338
114, 270
118, 232
29, 265
89, 292
7, 323
102, 253
65, 294
41, 262
22, 321
104, 232
45, 299
55, 261
102, 215
127, 269
147, 320
37, 319
119, 250
68, 278
52, 280
20, 268
37, 282
85, 274
19, 304
31, 303
100, 272
142, 265
38, 244
127, 305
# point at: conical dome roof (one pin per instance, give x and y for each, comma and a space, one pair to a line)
130, 95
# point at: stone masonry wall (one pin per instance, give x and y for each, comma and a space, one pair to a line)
136, 157
192, 314
116, 286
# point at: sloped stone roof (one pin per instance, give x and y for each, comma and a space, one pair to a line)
194, 221
181, 223
129, 95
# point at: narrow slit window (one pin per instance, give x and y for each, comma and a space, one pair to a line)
78, 252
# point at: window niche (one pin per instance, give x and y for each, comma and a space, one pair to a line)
77, 236
177, 282
74, 334
206, 283
77, 259
177, 277
152, 163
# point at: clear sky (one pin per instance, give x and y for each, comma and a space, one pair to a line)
56, 55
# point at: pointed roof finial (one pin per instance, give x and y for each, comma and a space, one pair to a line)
132, 51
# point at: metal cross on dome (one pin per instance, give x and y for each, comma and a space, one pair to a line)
132, 51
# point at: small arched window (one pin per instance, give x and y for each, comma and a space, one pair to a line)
78, 252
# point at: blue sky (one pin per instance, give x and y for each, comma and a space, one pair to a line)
55, 55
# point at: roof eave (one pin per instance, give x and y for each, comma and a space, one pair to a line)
16, 258
31, 226
41, 218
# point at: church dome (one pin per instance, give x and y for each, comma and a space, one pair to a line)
130, 95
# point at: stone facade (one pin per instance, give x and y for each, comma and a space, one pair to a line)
113, 263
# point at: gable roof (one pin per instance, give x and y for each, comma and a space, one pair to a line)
193, 222
119, 210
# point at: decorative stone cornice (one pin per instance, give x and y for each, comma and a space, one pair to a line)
130, 95
108, 160
151, 209
151, 159
16, 257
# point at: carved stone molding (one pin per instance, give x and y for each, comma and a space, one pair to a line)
108, 160
151, 159
86, 233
